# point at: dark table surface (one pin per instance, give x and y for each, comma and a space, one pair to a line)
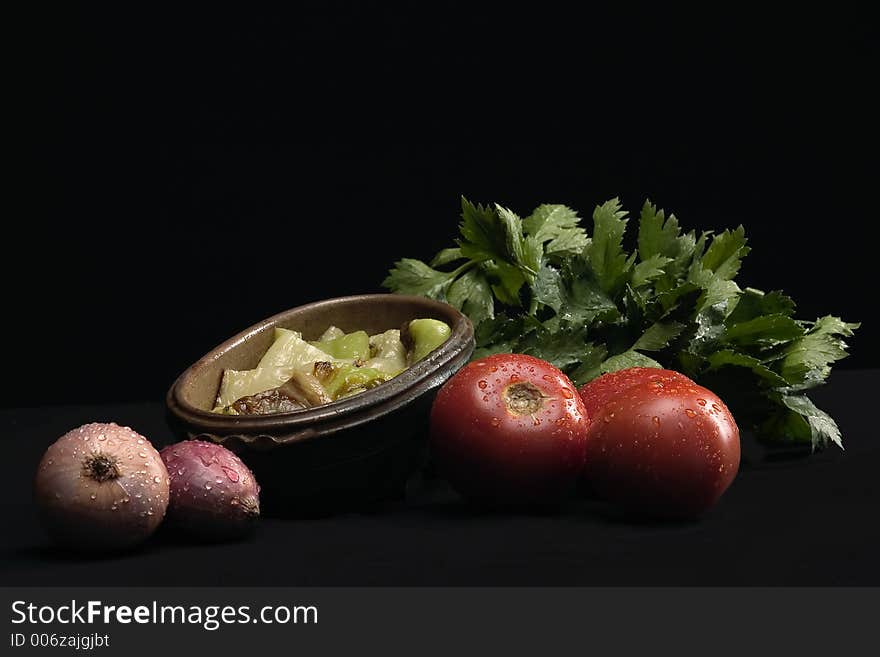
795, 521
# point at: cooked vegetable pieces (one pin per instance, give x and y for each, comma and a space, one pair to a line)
541, 286
295, 374
348, 345
426, 335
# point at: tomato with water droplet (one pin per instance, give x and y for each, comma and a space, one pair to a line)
667, 447
520, 440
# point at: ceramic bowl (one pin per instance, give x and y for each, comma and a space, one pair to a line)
346, 454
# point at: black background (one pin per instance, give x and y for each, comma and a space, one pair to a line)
187, 174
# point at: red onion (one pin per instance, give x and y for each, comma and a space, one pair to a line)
213, 494
101, 487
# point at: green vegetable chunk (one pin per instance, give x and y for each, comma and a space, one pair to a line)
349, 379
427, 335
349, 346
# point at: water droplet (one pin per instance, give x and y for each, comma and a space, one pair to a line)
231, 474
482, 385
93, 496
143, 455
568, 394
716, 407
157, 479
180, 471
495, 421
701, 402
102, 437
114, 507
547, 378
656, 420
140, 441
690, 413
208, 486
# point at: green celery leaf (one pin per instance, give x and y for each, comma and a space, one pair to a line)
808, 359
729, 358
690, 363
513, 236
619, 362
647, 270
567, 244
717, 291
547, 288
707, 329
531, 258
562, 348
498, 334
658, 336
446, 256
481, 237
558, 225
506, 281
799, 420
583, 299
589, 306
503, 334
591, 358
763, 331
700, 246
658, 236
682, 295
410, 276
754, 303
495, 330
725, 253
605, 253
472, 294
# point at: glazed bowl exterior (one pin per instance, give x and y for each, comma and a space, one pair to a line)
347, 454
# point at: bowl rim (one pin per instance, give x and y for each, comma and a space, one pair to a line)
461, 338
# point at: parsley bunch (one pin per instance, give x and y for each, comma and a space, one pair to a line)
540, 285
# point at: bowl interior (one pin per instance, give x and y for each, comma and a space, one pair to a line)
198, 386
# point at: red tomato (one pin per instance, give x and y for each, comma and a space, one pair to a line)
663, 446
509, 429
599, 391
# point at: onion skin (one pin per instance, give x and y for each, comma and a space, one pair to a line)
214, 495
101, 487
